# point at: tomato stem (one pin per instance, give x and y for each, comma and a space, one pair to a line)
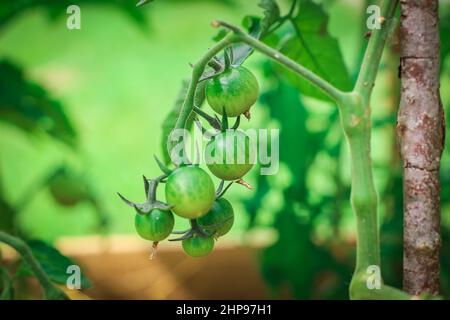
51, 292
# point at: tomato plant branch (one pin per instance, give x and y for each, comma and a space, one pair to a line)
197, 71
237, 35
50, 291
325, 86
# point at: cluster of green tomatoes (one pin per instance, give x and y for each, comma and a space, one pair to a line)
189, 190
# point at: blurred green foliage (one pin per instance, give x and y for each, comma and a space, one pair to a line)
54, 264
115, 85
28, 106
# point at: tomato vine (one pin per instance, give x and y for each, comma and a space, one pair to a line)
354, 109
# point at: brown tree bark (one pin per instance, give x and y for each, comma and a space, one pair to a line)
420, 130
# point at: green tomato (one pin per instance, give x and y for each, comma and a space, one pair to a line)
154, 226
190, 191
198, 246
67, 190
236, 90
221, 214
228, 155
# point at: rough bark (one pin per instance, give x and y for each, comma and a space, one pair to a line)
420, 130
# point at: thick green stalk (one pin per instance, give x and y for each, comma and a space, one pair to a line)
50, 291
364, 200
357, 127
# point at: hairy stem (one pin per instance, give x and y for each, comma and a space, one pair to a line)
50, 291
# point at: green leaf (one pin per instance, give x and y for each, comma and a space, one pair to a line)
271, 13
311, 45
53, 263
29, 106
257, 28
293, 118
242, 51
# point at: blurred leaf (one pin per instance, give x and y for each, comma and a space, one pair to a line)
294, 260
384, 121
311, 45
28, 106
257, 28
7, 215
286, 106
53, 263
253, 204
444, 30
57, 8
242, 51
271, 13
289, 261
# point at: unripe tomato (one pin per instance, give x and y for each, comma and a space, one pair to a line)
190, 191
154, 226
67, 191
236, 90
228, 156
198, 246
220, 214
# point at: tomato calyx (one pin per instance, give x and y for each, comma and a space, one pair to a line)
150, 186
217, 68
214, 121
198, 230
194, 231
163, 168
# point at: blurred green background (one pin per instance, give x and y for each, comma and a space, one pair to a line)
84, 108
